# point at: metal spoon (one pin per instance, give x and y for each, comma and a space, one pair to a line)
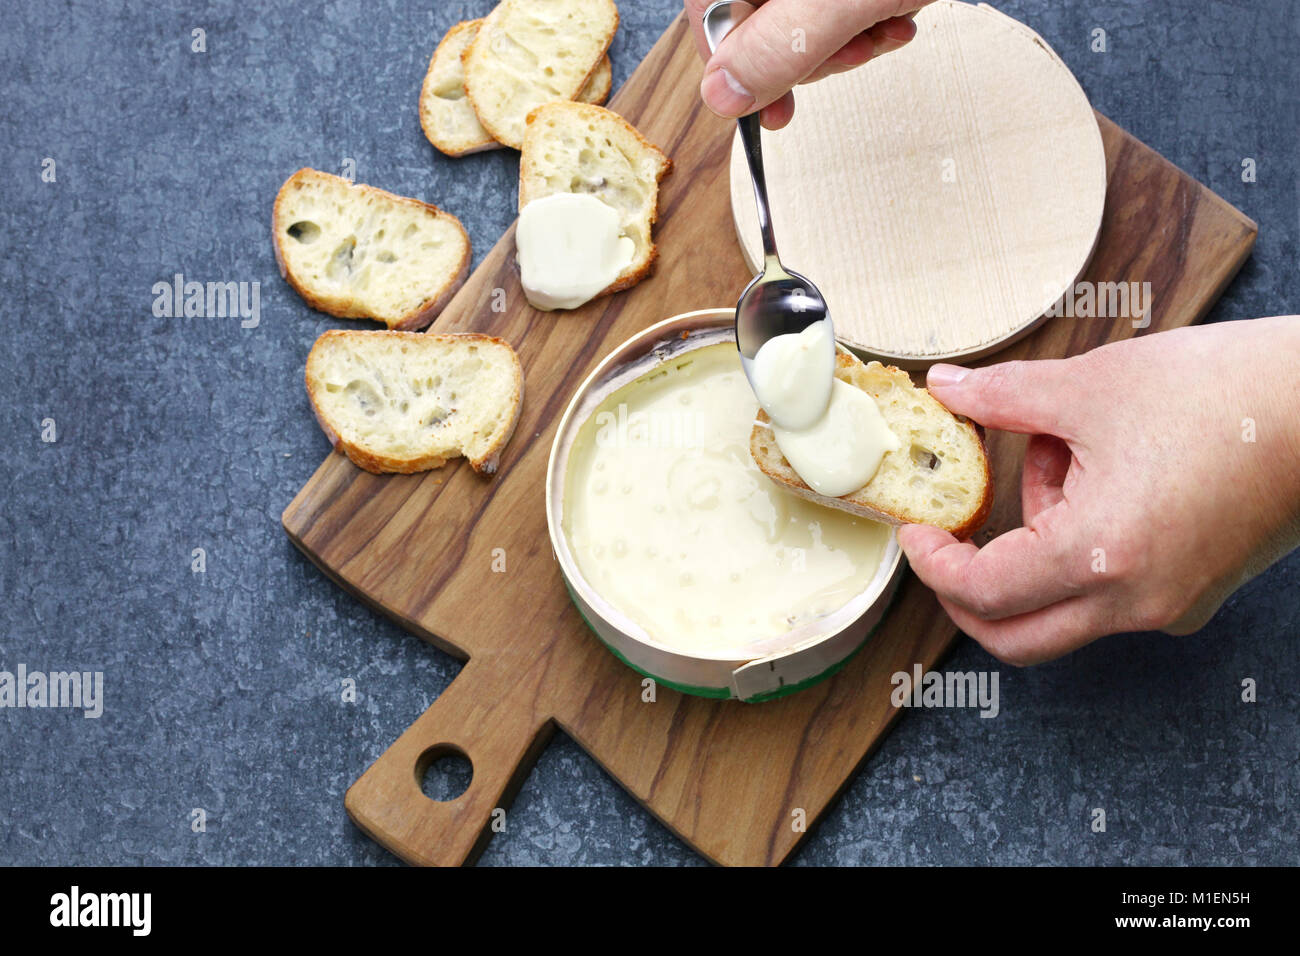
778, 301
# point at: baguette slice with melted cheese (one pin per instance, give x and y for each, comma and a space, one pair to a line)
940, 476
578, 148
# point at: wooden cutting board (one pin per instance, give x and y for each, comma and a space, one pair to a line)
733, 780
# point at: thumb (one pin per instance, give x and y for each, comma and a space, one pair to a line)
782, 43
1037, 397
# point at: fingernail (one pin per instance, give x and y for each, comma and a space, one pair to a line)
901, 28
941, 375
887, 44
725, 95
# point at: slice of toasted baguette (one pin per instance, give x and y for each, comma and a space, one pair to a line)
446, 115
578, 148
596, 90
409, 401
940, 476
359, 252
530, 52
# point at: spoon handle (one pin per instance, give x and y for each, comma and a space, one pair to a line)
751, 139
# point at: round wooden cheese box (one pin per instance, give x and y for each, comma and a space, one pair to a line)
943, 197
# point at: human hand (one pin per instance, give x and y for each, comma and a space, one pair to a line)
788, 42
1163, 472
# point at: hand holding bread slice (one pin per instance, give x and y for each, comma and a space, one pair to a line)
939, 476
409, 401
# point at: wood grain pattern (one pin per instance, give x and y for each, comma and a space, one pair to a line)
724, 776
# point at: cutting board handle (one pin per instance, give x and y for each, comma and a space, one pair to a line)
489, 721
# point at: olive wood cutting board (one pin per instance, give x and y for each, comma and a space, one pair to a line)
741, 783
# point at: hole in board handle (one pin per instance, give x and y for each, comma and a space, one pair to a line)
443, 772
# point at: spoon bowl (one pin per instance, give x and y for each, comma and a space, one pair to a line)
776, 302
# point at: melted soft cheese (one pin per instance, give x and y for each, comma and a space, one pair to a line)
571, 248
831, 433
672, 523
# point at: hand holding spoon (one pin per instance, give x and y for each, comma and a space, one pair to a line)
792, 378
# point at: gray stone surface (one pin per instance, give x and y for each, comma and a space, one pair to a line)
174, 434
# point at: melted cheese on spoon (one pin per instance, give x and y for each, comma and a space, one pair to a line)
831, 433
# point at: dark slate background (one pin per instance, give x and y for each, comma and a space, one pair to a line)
175, 434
